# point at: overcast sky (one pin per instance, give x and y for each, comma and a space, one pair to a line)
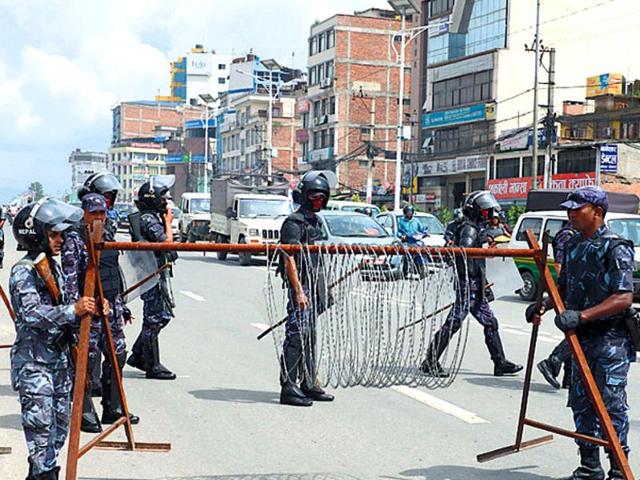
65, 63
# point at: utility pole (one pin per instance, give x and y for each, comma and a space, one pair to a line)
550, 120
535, 99
398, 184
370, 164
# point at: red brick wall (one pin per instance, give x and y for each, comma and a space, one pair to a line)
141, 120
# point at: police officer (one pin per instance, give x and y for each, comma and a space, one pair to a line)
452, 226
40, 367
561, 354
408, 225
596, 285
477, 208
108, 186
3, 220
306, 295
154, 226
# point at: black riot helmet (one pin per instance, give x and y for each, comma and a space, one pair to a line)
312, 184
32, 223
154, 194
478, 202
458, 216
104, 183
408, 209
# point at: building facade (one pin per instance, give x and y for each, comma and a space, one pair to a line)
134, 162
83, 164
353, 78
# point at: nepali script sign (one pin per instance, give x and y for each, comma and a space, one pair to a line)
515, 188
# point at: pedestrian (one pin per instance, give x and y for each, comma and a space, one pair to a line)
40, 366
561, 355
108, 186
306, 299
154, 226
596, 284
472, 281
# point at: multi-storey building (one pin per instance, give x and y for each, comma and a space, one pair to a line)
83, 164
198, 72
134, 162
353, 96
475, 90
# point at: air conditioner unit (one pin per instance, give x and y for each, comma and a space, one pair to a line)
326, 82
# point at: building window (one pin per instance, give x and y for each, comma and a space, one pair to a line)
313, 45
329, 69
221, 80
331, 38
332, 105
312, 76
576, 160
222, 66
440, 7
316, 109
321, 38
508, 168
527, 166
471, 88
463, 138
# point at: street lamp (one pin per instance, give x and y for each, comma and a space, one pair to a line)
270, 64
207, 98
404, 8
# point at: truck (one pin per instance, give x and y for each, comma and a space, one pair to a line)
248, 209
195, 216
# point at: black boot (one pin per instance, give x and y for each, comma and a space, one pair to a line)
615, 472
550, 369
90, 422
316, 393
501, 366
49, 475
156, 370
506, 368
136, 359
30, 474
590, 468
431, 365
111, 405
566, 376
291, 394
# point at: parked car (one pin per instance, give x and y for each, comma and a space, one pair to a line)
389, 221
626, 225
175, 224
196, 214
348, 206
351, 228
123, 209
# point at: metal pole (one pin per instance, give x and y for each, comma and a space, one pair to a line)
270, 126
535, 99
548, 162
396, 200
370, 162
598, 179
206, 146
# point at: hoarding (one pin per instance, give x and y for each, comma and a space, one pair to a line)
473, 113
605, 84
199, 64
515, 188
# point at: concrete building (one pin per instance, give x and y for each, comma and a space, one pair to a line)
477, 87
144, 118
83, 164
353, 96
134, 162
199, 71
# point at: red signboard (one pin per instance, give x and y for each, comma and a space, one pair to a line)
302, 135
513, 188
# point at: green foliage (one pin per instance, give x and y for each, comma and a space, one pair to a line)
38, 191
445, 215
356, 198
513, 214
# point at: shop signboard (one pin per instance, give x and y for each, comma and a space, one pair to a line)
473, 113
452, 166
605, 84
608, 158
515, 188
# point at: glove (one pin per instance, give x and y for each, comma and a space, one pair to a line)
531, 311
568, 320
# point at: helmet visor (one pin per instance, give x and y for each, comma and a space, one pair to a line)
486, 201
52, 212
106, 182
162, 181
328, 175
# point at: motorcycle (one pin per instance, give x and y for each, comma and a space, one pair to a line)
419, 260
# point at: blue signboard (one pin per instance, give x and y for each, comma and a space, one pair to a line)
454, 116
608, 158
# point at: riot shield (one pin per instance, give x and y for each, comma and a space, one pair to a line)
137, 266
504, 275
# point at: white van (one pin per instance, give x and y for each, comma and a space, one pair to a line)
194, 220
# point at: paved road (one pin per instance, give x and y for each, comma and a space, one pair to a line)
223, 418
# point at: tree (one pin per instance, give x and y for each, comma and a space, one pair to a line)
38, 191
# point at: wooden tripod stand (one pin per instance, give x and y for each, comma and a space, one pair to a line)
93, 287
610, 440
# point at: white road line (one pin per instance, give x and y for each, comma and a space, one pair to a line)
441, 405
260, 326
193, 296
515, 332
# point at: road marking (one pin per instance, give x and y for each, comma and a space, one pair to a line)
441, 405
260, 326
193, 296
515, 332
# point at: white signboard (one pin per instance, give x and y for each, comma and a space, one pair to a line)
199, 64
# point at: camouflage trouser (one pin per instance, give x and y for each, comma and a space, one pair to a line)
116, 322
155, 314
610, 368
480, 309
300, 342
45, 397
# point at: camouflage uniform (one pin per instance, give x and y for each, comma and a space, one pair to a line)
40, 369
118, 308
594, 269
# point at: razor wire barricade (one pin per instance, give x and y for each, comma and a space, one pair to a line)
352, 365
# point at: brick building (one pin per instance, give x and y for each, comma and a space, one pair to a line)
353, 96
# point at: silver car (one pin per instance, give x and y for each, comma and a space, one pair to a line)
350, 228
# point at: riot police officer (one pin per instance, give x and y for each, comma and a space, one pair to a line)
477, 208
597, 287
3, 220
452, 226
108, 186
153, 224
306, 294
40, 367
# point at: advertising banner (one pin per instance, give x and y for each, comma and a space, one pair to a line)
605, 84
609, 159
473, 113
516, 188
